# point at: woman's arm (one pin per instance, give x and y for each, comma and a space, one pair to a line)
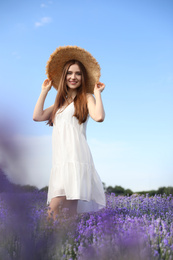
95, 105
40, 114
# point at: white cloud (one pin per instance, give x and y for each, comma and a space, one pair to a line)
16, 55
43, 5
43, 21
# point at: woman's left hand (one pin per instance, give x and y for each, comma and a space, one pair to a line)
99, 87
95, 105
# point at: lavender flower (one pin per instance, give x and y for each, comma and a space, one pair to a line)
136, 227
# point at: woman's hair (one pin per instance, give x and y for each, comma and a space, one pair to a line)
80, 101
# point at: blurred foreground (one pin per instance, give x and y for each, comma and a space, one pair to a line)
132, 228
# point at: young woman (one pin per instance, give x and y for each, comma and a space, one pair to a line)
74, 183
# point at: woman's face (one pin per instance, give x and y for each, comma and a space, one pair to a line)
74, 77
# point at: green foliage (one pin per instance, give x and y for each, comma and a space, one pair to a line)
118, 190
160, 191
164, 190
29, 188
44, 189
128, 192
24, 188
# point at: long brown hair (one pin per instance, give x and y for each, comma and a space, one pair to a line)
80, 100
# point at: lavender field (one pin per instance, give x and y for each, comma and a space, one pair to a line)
133, 228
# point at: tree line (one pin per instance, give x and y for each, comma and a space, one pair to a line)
118, 190
6, 185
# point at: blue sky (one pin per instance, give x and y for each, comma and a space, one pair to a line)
133, 43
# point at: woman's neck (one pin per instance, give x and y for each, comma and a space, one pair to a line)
71, 94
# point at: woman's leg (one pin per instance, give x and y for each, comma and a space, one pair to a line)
55, 206
71, 205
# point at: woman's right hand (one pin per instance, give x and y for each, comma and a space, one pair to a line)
47, 84
41, 114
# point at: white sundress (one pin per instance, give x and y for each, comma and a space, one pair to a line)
73, 172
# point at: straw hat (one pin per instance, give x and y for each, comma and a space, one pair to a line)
62, 55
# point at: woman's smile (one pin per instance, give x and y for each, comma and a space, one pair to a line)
73, 82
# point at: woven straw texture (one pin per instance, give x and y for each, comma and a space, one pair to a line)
59, 58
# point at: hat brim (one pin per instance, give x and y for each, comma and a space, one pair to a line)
62, 55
